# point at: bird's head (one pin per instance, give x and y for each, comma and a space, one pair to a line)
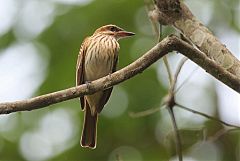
113, 30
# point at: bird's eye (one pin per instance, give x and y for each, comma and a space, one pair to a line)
112, 28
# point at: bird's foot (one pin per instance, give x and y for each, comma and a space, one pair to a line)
109, 75
88, 84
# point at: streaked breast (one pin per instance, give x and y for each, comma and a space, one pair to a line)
100, 57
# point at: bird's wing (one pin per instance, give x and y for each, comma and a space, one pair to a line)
80, 67
107, 92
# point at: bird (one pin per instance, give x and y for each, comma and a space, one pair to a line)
98, 57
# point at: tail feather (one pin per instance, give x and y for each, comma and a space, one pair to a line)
89, 132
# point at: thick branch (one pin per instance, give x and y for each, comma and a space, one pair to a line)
131, 70
209, 65
165, 46
176, 13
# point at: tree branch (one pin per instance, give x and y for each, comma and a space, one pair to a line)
158, 32
176, 13
158, 51
206, 116
167, 45
178, 142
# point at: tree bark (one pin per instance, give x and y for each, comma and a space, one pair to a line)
177, 14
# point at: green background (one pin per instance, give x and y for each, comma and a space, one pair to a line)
120, 137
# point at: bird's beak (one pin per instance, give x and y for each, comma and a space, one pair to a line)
122, 34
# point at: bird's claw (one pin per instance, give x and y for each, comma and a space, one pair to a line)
88, 84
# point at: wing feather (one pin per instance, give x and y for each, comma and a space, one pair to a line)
107, 92
80, 67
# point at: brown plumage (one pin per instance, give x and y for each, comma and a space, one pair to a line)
97, 58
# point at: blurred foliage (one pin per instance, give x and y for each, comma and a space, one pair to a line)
138, 137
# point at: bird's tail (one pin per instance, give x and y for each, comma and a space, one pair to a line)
89, 131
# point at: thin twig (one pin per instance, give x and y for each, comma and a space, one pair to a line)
180, 65
176, 133
145, 113
148, 4
169, 72
171, 103
207, 116
186, 80
154, 110
158, 33
222, 132
165, 59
